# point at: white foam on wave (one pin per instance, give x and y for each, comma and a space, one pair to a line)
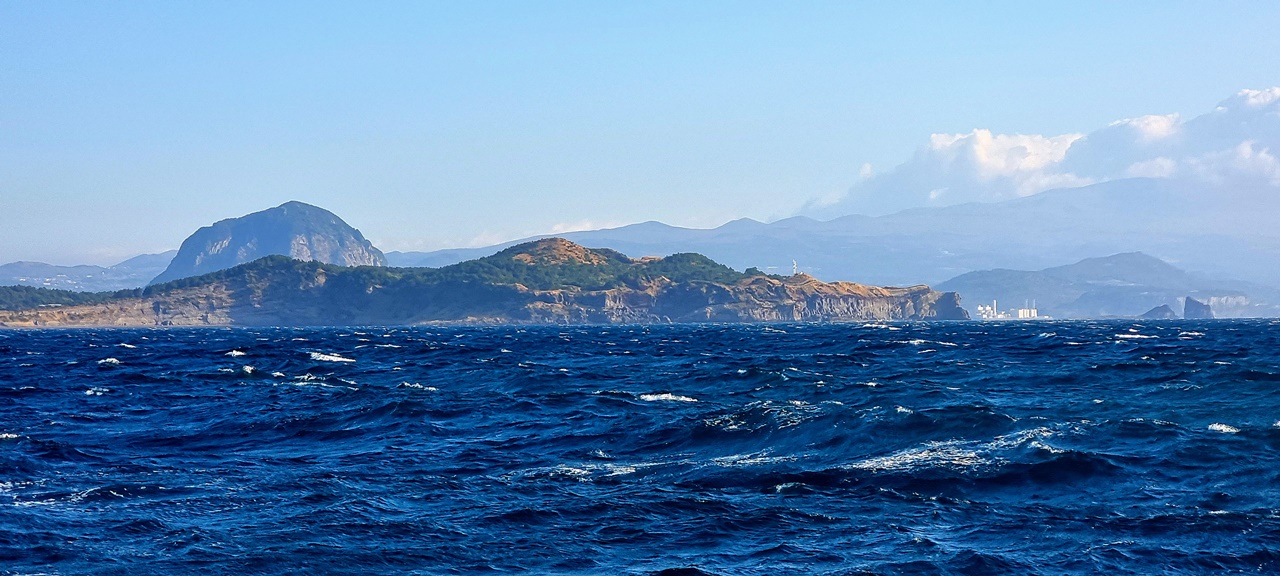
323, 357
753, 459
109, 362
1223, 428
8, 436
958, 454
931, 454
581, 472
123, 345
313, 380
666, 397
418, 386
1135, 336
96, 391
234, 353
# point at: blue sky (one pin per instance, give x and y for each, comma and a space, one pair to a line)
125, 126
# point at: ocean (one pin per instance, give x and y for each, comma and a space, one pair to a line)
1050, 447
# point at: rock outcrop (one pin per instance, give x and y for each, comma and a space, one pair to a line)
544, 282
1193, 309
1161, 312
294, 229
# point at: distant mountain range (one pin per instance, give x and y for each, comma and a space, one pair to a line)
131, 273
1234, 270
930, 245
546, 281
1122, 285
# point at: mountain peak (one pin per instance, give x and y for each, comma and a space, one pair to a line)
556, 251
294, 229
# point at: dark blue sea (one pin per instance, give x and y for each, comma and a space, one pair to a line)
921, 448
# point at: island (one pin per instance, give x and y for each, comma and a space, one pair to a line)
548, 281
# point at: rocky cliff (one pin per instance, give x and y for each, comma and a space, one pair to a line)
294, 229
1193, 309
548, 281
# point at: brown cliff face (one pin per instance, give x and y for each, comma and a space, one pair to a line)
279, 291
756, 299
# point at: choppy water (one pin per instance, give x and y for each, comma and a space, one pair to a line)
965, 448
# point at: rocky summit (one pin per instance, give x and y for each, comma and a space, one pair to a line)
550, 281
294, 229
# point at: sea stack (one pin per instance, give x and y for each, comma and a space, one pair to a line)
1194, 309
1161, 312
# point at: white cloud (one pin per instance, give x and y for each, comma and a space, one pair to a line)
991, 156
1244, 164
1152, 127
866, 172
1253, 98
1232, 143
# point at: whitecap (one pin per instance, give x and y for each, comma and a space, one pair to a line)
123, 345
7, 436
932, 454
322, 357
754, 459
1223, 428
666, 396
109, 362
96, 391
234, 353
616, 470
1135, 336
418, 386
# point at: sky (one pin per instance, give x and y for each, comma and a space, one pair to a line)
427, 125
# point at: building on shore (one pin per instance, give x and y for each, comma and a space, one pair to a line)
993, 312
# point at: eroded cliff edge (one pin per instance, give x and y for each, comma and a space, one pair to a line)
544, 282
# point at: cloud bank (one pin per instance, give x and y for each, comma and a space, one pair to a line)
1233, 146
